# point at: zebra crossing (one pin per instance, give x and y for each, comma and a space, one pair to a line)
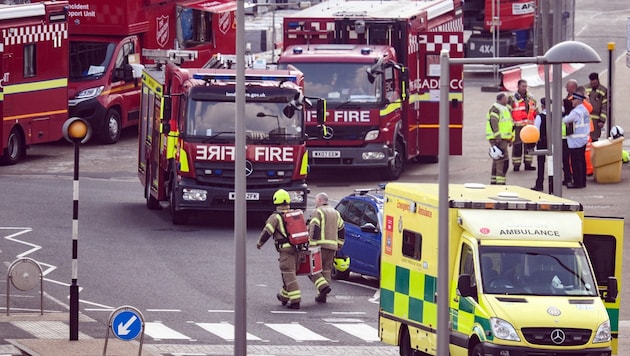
320, 330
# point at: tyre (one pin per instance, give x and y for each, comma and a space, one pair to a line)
152, 203
405, 343
477, 350
113, 127
16, 148
397, 165
177, 216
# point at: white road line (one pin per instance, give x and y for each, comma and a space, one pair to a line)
361, 330
164, 310
163, 332
224, 331
220, 311
47, 329
297, 332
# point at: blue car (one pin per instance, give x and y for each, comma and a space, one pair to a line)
362, 213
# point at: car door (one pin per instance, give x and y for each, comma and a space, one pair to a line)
351, 213
370, 239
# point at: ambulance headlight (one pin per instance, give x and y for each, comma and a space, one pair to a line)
603, 332
503, 330
372, 156
371, 135
297, 196
194, 194
89, 93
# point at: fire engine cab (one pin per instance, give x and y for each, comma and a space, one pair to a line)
33, 35
187, 136
377, 65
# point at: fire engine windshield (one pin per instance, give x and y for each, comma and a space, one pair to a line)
88, 59
536, 271
340, 83
264, 121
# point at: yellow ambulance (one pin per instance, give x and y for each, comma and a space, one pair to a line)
529, 273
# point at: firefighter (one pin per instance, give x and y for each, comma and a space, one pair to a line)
597, 95
523, 108
327, 230
290, 294
499, 130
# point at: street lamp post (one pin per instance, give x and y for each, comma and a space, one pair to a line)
563, 52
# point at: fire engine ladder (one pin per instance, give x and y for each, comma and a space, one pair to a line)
226, 61
163, 56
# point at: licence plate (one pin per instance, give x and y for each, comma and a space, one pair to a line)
326, 154
248, 196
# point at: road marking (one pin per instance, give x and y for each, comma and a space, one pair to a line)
297, 332
224, 331
164, 310
159, 331
360, 330
220, 311
47, 329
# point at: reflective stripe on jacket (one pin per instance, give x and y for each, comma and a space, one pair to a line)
499, 123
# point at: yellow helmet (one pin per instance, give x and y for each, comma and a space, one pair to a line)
281, 196
341, 263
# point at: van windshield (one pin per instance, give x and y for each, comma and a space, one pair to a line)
89, 59
545, 271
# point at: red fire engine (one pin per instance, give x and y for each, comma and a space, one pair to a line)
187, 136
377, 65
33, 35
508, 23
106, 38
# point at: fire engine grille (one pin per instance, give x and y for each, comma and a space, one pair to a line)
262, 175
557, 336
339, 133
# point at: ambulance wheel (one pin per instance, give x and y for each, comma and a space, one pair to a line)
16, 148
113, 127
397, 165
477, 350
405, 343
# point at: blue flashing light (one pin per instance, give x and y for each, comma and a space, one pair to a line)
248, 77
292, 25
271, 173
366, 50
218, 172
298, 50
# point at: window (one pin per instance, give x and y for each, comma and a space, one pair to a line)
601, 250
412, 244
29, 60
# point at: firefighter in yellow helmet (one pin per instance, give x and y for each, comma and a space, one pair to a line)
289, 256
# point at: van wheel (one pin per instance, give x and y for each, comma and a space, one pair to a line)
405, 343
16, 148
113, 127
477, 350
397, 165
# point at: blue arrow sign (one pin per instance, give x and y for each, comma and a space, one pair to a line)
126, 325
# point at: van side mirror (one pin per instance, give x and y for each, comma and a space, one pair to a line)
125, 73
613, 290
464, 285
167, 104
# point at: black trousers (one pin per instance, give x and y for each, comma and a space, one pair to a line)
566, 162
578, 165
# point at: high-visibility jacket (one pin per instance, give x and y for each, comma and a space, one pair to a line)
599, 100
327, 228
499, 124
580, 119
523, 109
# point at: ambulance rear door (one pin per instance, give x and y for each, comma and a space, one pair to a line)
603, 239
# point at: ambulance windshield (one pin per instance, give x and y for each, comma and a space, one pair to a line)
518, 270
265, 122
344, 84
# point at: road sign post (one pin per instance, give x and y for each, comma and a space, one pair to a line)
126, 323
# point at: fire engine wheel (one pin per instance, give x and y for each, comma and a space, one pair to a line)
152, 203
177, 216
113, 127
405, 343
16, 148
397, 165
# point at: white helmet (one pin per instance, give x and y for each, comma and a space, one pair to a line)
616, 132
495, 152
